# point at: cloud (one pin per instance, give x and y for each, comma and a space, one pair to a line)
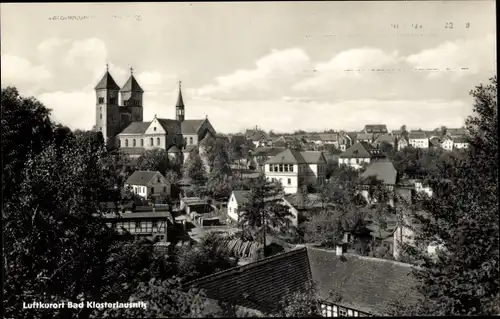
22, 73
272, 73
73, 109
354, 64
475, 56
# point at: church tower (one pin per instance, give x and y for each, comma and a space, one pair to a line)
179, 107
107, 109
131, 96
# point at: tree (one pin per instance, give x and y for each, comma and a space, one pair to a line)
463, 219
404, 131
155, 160
194, 169
302, 303
264, 213
386, 148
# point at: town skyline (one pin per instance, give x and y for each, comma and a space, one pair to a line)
278, 66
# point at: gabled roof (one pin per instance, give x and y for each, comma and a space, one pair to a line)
267, 151
107, 82
241, 196
142, 178
363, 283
259, 285
402, 138
132, 85
328, 136
191, 126
376, 128
364, 136
174, 149
359, 150
435, 141
385, 138
384, 170
170, 126
312, 157
417, 135
255, 135
460, 139
136, 128
287, 156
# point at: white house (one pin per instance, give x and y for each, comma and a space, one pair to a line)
447, 143
145, 183
402, 142
239, 198
294, 168
418, 139
358, 154
460, 142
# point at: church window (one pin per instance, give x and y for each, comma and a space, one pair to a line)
100, 116
151, 141
158, 141
190, 140
154, 128
142, 142
112, 100
101, 100
126, 142
119, 143
133, 142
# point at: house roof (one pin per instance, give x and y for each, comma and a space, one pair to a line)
376, 128
171, 126
132, 85
384, 170
267, 151
402, 138
151, 214
133, 150
180, 101
460, 139
312, 157
142, 178
364, 136
385, 138
366, 284
241, 196
417, 135
255, 135
287, 156
435, 141
136, 128
360, 150
259, 285
174, 149
107, 82
191, 126
328, 136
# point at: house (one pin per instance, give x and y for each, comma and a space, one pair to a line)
262, 154
384, 171
258, 137
364, 137
140, 224
345, 141
402, 142
239, 198
447, 143
194, 204
435, 142
385, 138
377, 129
294, 168
283, 141
350, 285
326, 139
418, 139
460, 142
146, 183
359, 153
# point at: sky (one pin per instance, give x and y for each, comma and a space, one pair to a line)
281, 66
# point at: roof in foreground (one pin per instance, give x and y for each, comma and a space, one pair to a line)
384, 170
142, 177
259, 285
367, 284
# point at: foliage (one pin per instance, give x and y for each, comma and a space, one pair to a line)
303, 303
194, 168
264, 213
463, 218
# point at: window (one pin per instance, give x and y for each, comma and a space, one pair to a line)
185, 141
100, 116
101, 100
165, 189
142, 142
100, 128
119, 143
151, 141
112, 100
291, 168
349, 313
190, 140
289, 181
126, 142
335, 311
138, 225
133, 142
285, 168
342, 312
355, 314
281, 167
154, 224
154, 128
158, 141
152, 190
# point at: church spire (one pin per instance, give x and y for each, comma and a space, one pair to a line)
179, 106
107, 82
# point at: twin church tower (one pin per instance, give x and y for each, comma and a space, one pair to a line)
117, 108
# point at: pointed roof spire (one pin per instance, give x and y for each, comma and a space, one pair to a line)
180, 101
107, 81
132, 85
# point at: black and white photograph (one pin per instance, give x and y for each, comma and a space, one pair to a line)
249, 159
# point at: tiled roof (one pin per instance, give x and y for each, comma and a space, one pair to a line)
364, 136
329, 136
174, 149
435, 141
312, 157
376, 128
364, 283
241, 196
132, 86
259, 285
191, 126
133, 150
136, 128
255, 135
287, 156
460, 139
386, 138
171, 126
151, 214
417, 135
267, 151
384, 170
180, 100
141, 177
358, 150
237, 139
107, 82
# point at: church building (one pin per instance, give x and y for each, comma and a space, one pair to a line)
122, 123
